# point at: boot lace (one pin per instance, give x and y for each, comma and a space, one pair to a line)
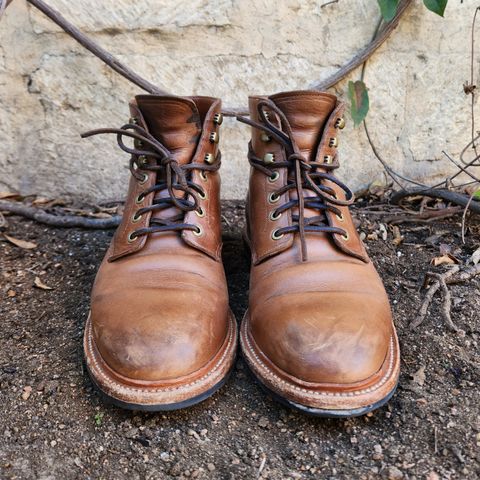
171, 176
307, 180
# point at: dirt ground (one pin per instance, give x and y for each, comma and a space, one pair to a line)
54, 426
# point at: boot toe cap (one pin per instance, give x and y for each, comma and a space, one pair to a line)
333, 338
156, 340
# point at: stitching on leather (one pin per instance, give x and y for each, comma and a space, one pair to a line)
273, 377
99, 370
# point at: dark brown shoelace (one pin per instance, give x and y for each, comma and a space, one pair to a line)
170, 176
307, 177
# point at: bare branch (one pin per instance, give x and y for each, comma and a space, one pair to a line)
71, 221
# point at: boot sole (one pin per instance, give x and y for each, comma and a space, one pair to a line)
147, 396
321, 400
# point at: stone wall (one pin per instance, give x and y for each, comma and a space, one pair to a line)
51, 89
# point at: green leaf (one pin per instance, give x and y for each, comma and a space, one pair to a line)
388, 8
359, 102
476, 195
436, 6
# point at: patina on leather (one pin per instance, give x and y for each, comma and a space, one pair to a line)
159, 305
319, 319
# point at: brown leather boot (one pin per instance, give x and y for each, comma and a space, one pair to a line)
160, 335
319, 331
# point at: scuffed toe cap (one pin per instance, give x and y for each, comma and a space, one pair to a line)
156, 338
324, 337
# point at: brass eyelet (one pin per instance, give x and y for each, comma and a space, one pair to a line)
198, 231
133, 120
209, 158
203, 176
340, 217
200, 212
333, 143
340, 123
214, 138
144, 179
276, 235
136, 218
269, 158
218, 119
273, 177
132, 237
203, 195
346, 237
265, 138
139, 198
273, 198
142, 160
274, 217
328, 159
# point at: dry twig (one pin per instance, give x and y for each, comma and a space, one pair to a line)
41, 216
441, 281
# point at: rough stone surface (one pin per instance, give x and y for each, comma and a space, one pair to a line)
51, 89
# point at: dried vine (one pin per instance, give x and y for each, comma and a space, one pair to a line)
144, 84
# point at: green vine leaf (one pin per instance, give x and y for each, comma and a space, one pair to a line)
388, 8
436, 6
476, 195
359, 102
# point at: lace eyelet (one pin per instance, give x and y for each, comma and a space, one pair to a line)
265, 138
333, 142
136, 218
340, 123
139, 198
340, 217
327, 159
346, 237
214, 138
132, 237
218, 119
273, 177
274, 217
200, 212
198, 232
142, 160
276, 235
273, 198
144, 179
203, 176
203, 195
133, 120
209, 158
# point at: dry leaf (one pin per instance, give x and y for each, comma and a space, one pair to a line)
40, 201
398, 237
99, 215
419, 376
20, 243
475, 258
40, 284
443, 260
27, 391
383, 231
9, 195
11, 293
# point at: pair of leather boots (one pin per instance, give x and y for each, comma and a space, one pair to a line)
318, 333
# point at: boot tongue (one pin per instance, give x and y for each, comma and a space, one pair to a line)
173, 121
307, 113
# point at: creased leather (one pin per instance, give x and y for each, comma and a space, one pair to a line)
159, 305
326, 320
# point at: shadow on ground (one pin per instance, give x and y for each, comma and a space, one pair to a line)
54, 425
